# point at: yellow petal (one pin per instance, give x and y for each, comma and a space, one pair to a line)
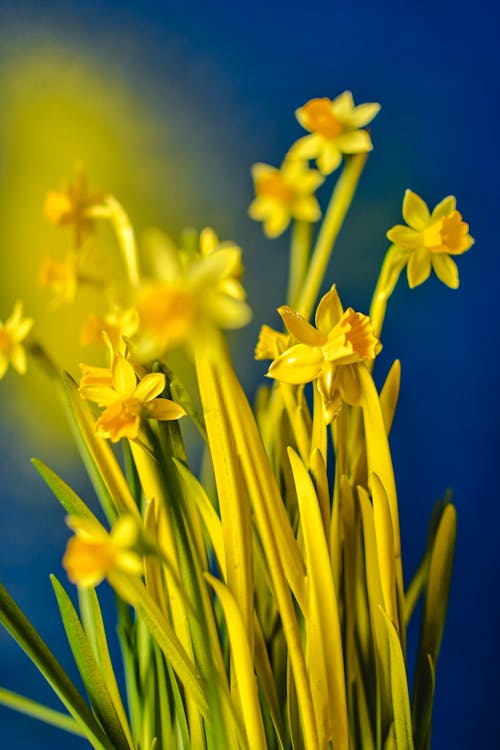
355, 142
163, 409
329, 157
306, 147
404, 237
364, 113
415, 211
18, 359
276, 223
445, 269
343, 105
297, 365
306, 209
101, 395
300, 327
329, 311
444, 208
124, 379
150, 386
419, 267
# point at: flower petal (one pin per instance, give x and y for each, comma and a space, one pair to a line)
300, 327
306, 147
164, 409
18, 359
343, 105
415, 211
306, 209
444, 207
329, 157
363, 114
419, 267
275, 224
355, 142
124, 379
329, 311
445, 269
297, 365
150, 387
404, 237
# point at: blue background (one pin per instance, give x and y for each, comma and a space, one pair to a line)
242, 69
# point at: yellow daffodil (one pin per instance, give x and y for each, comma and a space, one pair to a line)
328, 353
12, 334
60, 277
271, 343
72, 204
430, 239
192, 293
336, 128
126, 401
93, 553
117, 323
284, 194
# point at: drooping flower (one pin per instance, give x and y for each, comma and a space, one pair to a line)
72, 205
284, 194
431, 238
191, 294
93, 553
12, 334
336, 127
126, 400
327, 354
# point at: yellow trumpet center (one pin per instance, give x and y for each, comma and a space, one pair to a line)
447, 235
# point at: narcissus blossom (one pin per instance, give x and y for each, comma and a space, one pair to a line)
431, 238
93, 553
12, 334
284, 194
336, 127
72, 205
327, 354
126, 401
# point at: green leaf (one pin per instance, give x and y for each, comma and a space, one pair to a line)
26, 636
90, 672
433, 619
38, 711
70, 501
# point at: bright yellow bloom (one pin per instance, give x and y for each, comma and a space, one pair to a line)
60, 277
12, 334
328, 353
126, 400
335, 128
72, 204
92, 554
271, 343
430, 239
117, 323
284, 194
192, 294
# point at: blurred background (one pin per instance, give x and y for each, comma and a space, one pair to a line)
168, 105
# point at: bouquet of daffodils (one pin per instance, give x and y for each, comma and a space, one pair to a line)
260, 604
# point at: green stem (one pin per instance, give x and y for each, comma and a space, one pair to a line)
332, 222
394, 262
299, 259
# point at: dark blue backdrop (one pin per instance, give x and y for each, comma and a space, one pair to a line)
243, 68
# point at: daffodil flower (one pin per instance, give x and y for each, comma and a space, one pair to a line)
12, 334
60, 277
72, 205
116, 324
336, 128
93, 553
126, 401
191, 294
431, 238
284, 194
327, 354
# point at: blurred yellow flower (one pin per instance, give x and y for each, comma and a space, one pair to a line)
117, 323
335, 128
284, 194
126, 400
72, 205
60, 277
190, 295
328, 353
271, 343
93, 553
12, 334
430, 239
